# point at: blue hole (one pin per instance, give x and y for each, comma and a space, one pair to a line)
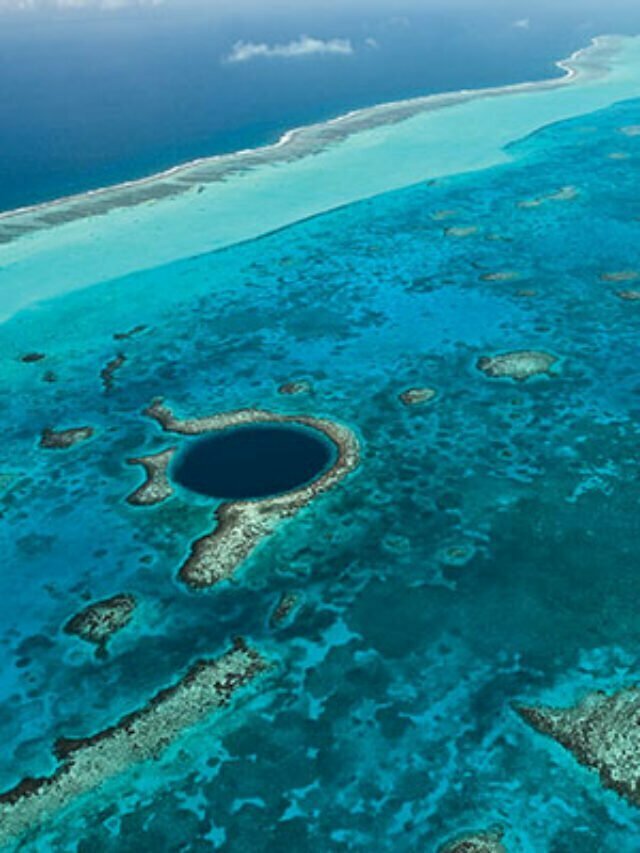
254, 461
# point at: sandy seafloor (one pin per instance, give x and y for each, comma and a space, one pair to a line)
388, 723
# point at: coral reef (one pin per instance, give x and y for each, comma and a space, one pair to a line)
417, 396
502, 275
123, 336
86, 763
563, 194
461, 230
288, 602
620, 276
98, 622
108, 372
439, 215
601, 732
156, 487
295, 388
486, 841
52, 439
242, 525
520, 365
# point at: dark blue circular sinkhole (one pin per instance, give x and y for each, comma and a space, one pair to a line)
254, 461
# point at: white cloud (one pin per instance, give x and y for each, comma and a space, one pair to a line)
522, 24
243, 51
371, 42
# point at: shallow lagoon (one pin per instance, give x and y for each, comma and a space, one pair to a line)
485, 553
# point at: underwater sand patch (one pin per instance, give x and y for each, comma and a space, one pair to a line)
157, 486
241, 525
602, 733
630, 130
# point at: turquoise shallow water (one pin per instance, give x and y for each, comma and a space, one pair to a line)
486, 551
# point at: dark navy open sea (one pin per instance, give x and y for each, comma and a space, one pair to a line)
93, 98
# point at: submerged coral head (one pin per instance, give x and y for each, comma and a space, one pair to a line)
255, 461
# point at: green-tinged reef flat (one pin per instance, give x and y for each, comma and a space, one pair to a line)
86, 763
242, 525
203, 205
601, 732
447, 561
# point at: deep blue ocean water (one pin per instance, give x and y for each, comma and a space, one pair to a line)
90, 99
485, 553
253, 462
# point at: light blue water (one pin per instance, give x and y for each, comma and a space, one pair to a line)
485, 553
